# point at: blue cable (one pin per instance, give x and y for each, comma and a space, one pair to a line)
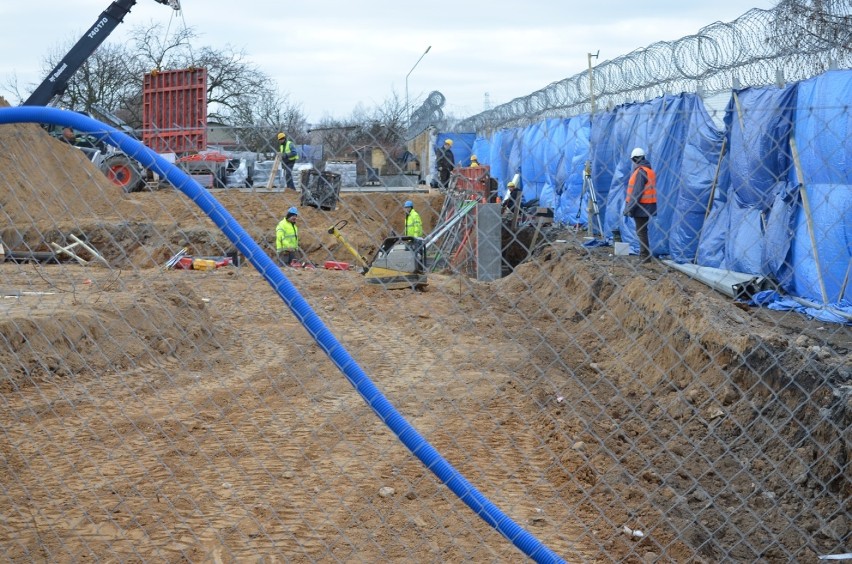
404, 431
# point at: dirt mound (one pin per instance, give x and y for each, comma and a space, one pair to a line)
709, 427
49, 190
107, 329
45, 179
688, 399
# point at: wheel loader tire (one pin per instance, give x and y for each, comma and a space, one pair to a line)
123, 172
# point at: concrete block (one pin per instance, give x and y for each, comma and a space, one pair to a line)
622, 249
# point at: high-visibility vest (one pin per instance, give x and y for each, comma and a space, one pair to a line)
286, 148
286, 236
649, 194
413, 224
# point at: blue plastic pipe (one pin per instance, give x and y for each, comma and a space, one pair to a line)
406, 433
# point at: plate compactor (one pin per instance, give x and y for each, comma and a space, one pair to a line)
400, 262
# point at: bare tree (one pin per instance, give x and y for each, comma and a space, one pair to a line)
814, 25
392, 112
239, 94
337, 136
12, 90
100, 80
158, 50
258, 123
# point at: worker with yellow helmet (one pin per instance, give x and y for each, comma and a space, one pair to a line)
474, 162
288, 157
446, 162
513, 197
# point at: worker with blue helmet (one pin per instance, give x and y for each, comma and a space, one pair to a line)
413, 223
287, 238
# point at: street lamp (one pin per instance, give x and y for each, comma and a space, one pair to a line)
407, 107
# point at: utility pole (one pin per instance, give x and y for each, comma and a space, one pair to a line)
592, 82
407, 107
593, 212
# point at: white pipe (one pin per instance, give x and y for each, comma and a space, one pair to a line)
717, 278
725, 280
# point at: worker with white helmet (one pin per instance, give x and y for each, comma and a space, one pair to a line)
413, 223
287, 238
641, 200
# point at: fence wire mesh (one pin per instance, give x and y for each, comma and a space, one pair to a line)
788, 43
160, 401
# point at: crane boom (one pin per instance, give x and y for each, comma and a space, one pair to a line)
57, 81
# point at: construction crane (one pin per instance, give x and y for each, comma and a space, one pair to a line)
122, 170
57, 81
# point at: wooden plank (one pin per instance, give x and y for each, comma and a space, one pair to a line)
275, 164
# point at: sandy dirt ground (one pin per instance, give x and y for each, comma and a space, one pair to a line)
170, 415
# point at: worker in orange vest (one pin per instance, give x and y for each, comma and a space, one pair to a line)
641, 200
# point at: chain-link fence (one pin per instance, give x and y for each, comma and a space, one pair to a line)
178, 385
161, 401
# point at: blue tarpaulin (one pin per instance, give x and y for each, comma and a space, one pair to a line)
571, 208
740, 209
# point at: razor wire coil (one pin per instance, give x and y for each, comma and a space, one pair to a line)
721, 56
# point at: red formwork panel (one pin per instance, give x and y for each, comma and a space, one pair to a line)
174, 110
476, 181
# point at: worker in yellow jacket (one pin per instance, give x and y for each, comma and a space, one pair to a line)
287, 238
289, 156
413, 223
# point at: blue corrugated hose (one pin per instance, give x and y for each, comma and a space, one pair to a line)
409, 436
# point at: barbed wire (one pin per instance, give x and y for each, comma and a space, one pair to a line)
429, 113
759, 48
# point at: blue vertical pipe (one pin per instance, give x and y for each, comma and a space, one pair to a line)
406, 433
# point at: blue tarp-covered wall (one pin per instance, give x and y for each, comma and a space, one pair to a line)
462, 146
701, 172
504, 156
662, 127
568, 180
823, 137
757, 160
728, 198
482, 150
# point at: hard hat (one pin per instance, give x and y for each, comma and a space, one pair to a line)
473, 157
293, 211
408, 204
448, 142
637, 152
282, 135
510, 185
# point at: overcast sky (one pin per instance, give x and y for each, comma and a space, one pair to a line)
331, 55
